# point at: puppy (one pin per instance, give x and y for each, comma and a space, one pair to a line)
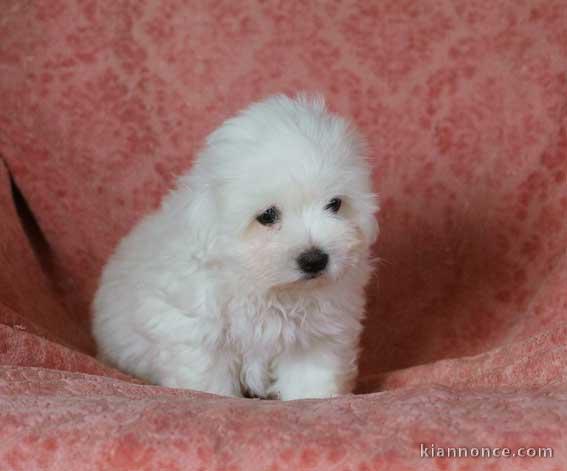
249, 279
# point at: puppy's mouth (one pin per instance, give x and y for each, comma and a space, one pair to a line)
307, 281
312, 276
313, 280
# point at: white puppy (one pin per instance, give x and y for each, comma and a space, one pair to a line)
249, 279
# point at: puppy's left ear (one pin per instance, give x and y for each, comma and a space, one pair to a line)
373, 231
370, 226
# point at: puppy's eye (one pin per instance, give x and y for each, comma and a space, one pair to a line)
334, 205
268, 217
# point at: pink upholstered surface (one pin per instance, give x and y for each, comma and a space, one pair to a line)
102, 103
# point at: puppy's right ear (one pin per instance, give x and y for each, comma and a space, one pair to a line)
194, 206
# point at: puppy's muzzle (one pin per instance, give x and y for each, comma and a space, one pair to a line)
312, 262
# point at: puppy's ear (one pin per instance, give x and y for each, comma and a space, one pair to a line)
195, 208
369, 209
373, 230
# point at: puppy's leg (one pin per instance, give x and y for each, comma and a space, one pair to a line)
164, 345
211, 372
186, 360
316, 373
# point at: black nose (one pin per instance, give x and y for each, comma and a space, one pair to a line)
313, 261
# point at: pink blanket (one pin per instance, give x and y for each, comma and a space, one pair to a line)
103, 102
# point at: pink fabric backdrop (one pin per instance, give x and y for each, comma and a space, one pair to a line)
103, 102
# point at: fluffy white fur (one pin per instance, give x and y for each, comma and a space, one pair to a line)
201, 295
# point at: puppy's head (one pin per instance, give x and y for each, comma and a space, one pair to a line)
291, 190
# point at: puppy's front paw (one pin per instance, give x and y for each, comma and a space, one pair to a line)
306, 378
290, 392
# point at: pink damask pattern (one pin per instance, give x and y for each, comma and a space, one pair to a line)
103, 103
